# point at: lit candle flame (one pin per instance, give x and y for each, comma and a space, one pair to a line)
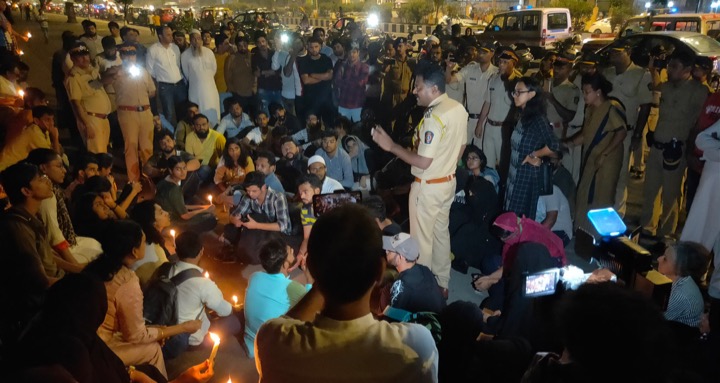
172, 233
29, 35
215, 339
234, 298
207, 275
21, 53
209, 198
229, 380
21, 93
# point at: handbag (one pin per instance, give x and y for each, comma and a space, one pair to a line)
546, 178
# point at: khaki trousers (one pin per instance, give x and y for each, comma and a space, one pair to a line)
662, 194
137, 130
492, 144
96, 134
429, 213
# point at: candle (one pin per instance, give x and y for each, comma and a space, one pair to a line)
29, 35
234, 300
21, 93
207, 275
209, 198
21, 53
172, 233
229, 380
215, 339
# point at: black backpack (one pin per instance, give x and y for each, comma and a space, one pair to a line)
160, 296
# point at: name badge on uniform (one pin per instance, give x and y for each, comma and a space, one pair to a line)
429, 137
473, 79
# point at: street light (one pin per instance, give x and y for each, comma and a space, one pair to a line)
670, 4
647, 5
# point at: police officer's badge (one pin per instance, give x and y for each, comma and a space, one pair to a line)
429, 137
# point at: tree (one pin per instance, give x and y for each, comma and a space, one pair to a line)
126, 4
620, 10
453, 10
578, 8
438, 4
414, 11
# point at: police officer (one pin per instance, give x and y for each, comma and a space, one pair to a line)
89, 101
398, 74
474, 78
680, 106
584, 66
562, 104
496, 107
439, 141
632, 85
133, 89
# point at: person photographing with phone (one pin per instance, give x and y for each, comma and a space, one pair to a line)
437, 145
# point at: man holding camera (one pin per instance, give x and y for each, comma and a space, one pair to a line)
133, 89
632, 85
680, 107
475, 77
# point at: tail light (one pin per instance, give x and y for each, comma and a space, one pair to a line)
542, 37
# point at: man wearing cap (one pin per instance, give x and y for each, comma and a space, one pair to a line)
199, 67
562, 103
430, 42
439, 140
396, 83
475, 77
496, 108
163, 64
90, 102
133, 90
91, 39
316, 165
632, 85
680, 106
415, 290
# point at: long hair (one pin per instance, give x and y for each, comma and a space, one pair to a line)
120, 238
536, 105
242, 161
144, 214
85, 221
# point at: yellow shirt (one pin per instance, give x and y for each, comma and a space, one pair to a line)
208, 151
440, 136
220, 72
31, 137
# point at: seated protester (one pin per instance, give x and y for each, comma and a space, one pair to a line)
261, 210
153, 220
564, 180
91, 215
344, 257
160, 123
271, 293
157, 166
311, 136
123, 329
194, 296
185, 125
342, 128
41, 133
169, 196
259, 133
65, 334
685, 263
26, 188
316, 166
279, 117
105, 169
396, 172
377, 208
206, 145
356, 150
265, 162
56, 217
514, 231
105, 166
416, 289
236, 123
309, 186
104, 188
553, 212
234, 165
471, 215
336, 159
476, 165
86, 167
292, 165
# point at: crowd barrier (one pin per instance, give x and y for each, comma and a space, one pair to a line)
419, 29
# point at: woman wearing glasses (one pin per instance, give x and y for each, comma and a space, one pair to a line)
602, 140
532, 139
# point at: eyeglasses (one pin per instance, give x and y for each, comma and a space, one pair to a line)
473, 158
516, 93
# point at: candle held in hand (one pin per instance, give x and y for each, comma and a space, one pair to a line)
172, 233
209, 198
21, 93
29, 35
213, 353
234, 298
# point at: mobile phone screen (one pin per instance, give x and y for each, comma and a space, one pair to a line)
539, 284
322, 203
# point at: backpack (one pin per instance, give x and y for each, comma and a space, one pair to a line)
160, 296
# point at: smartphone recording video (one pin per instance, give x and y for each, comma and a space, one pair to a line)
540, 284
323, 203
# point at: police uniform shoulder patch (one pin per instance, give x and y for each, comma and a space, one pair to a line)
429, 137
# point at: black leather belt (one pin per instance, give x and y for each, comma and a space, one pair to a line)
170, 83
474, 115
494, 123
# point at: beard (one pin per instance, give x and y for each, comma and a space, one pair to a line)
168, 150
197, 51
202, 134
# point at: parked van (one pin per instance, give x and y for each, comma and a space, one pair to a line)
705, 23
535, 27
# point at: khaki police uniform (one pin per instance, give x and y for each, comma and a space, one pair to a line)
84, 85
397, 81
500, 103
132, 95
680, 107
637, 159
440, 136
568, 95
476, 89
633, 88
574, 126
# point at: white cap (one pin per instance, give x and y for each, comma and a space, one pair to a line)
434, 39
314, 159
195, 31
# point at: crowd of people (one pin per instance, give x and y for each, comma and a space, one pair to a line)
460, 160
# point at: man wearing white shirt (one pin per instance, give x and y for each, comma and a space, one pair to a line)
553, 212
163, 64
291, 83
316, 165
196, 294
234, 122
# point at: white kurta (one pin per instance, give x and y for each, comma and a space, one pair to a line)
703, 224
200, 73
